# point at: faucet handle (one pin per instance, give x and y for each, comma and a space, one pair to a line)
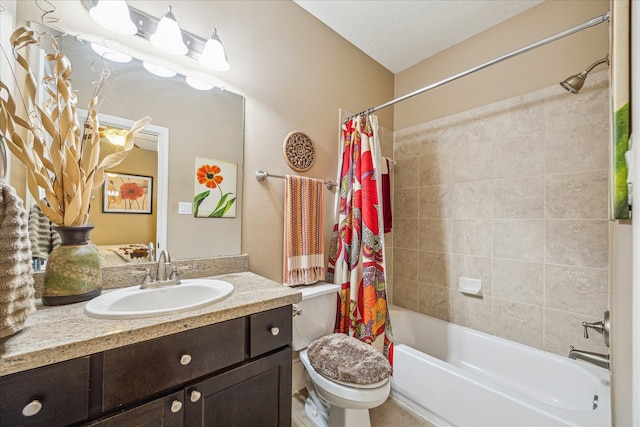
147, 275
596, 326
601, 327
175, 269
174, 272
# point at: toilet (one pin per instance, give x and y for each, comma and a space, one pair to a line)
330, 403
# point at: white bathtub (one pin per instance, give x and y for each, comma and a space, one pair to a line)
455, 376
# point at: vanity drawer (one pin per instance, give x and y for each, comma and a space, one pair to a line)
270, 330
54, 395
140, 370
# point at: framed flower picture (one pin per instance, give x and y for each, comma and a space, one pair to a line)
123, 193
215, 188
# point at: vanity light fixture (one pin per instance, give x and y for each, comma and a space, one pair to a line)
158, 70
114, 136
214, 56
198, 84
110, 54
180, 43
114, 15
168, 36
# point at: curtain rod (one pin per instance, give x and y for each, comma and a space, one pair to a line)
591, 23
262, 175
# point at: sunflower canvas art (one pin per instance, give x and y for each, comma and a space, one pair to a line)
215, 188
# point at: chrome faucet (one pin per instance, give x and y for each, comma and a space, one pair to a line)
161, 273
597, 359
163, 259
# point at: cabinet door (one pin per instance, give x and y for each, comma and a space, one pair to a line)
256, 394
165, 412
53, 395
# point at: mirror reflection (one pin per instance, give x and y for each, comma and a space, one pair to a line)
125, 213
195, 123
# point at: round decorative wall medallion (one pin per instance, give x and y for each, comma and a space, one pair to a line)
298, 151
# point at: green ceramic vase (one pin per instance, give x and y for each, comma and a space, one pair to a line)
73, 271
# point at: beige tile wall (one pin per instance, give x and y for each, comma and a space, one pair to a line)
515, 194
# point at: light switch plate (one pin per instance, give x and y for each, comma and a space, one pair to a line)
185, 208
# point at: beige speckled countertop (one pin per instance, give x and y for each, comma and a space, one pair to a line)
55, 334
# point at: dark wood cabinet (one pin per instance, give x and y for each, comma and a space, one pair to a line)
54, 395
256, 394
153, 366
232, 373
269, 330
164, 412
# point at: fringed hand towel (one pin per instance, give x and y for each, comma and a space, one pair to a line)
303, 231
17, 299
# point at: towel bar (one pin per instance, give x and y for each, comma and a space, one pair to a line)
262, 175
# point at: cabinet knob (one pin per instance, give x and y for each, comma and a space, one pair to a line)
275, 331
195, 396
32, 408
176, 405
185, 359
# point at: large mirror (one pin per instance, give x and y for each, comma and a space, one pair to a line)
194, 126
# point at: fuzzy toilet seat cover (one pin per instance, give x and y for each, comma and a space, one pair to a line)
348, 360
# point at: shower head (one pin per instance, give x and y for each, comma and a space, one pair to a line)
573, 84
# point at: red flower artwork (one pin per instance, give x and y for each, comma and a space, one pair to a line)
209, 176
131, 191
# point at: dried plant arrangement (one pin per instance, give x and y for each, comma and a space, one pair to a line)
61, 156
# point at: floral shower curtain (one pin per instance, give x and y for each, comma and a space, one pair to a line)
356, 258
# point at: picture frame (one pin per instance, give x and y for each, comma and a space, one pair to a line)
127, 193
215, 190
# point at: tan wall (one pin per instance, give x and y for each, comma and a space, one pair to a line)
621, 340
301, 75
119, 228
514, 194
530, 71
295, 74
445, 127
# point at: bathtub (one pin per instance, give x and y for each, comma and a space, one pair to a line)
455, 376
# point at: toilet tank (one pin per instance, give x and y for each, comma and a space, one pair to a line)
318, 315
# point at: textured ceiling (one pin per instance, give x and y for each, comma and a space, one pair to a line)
398, 34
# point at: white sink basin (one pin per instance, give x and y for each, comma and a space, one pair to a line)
133, 302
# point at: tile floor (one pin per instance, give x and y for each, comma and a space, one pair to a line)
389, 414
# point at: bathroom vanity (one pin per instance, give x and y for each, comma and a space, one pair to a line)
227, 364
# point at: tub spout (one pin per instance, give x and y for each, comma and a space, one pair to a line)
597, 359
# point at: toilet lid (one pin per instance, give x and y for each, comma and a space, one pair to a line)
304, 358
348, 361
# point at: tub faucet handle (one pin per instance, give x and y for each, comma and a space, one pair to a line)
601, 327
596, 326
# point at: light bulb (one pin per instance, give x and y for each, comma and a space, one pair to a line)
214, 56
158, 70
198, 84
114, 15
110, 54
168, 36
